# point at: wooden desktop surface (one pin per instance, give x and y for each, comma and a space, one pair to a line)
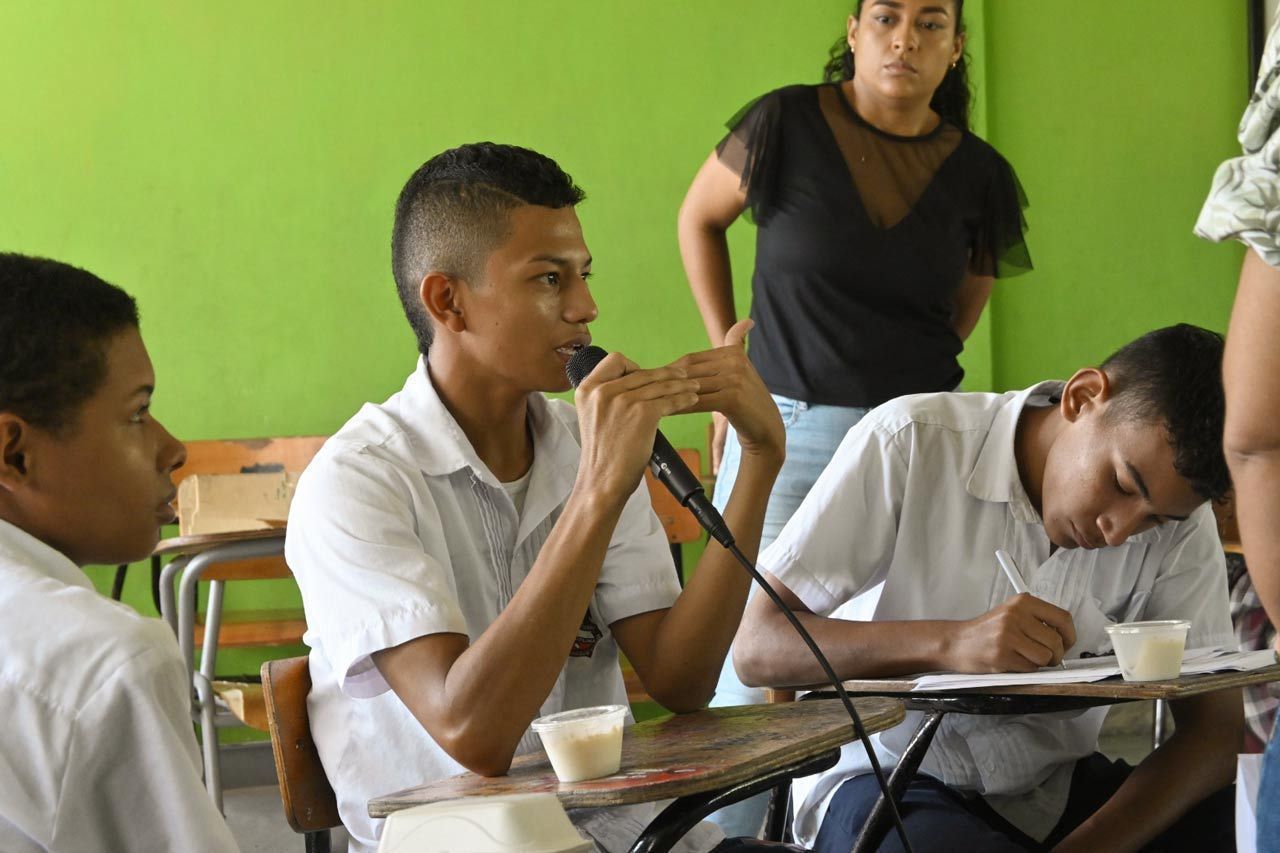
197, 543
1111, 688
675, 756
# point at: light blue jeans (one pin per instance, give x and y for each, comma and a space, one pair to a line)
813, 434
1269, 795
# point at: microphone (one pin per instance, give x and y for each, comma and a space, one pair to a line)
665, 463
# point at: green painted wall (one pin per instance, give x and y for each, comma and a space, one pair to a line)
234, 165
1115, 116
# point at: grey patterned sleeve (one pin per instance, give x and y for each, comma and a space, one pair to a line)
1244, 202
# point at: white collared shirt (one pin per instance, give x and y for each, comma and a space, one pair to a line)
96, 747
919, 495
397, 531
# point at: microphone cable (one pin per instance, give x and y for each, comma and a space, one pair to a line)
858, 728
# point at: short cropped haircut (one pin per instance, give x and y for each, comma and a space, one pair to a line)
1174, 376
454, 210
56, 322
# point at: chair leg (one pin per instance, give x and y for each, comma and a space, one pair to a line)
317, 842
207, 698
777, 825
880, 822
155, 583
207, 707
1157, 723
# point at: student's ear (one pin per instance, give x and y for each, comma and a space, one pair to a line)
439, 293
851, 31
1089, 389
15, 434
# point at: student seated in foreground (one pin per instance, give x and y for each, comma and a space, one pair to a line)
1098, 488
96, 749
473, 555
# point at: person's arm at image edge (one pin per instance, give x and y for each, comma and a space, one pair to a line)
1197, 760
714, 201
1251, 366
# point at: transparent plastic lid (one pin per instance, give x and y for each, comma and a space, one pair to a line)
1149, 627
594, 714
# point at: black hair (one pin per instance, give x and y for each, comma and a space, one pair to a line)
454, 211
56, 322
1174, 375
951, 98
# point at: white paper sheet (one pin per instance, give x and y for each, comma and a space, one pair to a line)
1083, 670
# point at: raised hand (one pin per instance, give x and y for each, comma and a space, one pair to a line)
728, 384
1020, 635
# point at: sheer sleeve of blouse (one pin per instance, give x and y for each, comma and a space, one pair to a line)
1244, 203
751, 150
999, 245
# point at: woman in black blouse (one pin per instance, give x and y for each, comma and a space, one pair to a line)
881, 224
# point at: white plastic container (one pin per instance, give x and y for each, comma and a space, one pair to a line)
585, 743
1150, 651
519, 823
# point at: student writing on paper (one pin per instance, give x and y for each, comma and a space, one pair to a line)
473, 555
96, 748
1098, 488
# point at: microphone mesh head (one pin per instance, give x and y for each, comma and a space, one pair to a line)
582, 363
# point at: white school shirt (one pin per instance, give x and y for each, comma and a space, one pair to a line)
919, 495
97, 751
398, 530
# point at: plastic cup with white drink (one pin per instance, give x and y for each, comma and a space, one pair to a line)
585, 743
1150, 651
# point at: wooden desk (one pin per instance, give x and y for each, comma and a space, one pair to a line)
198, 543
710, 758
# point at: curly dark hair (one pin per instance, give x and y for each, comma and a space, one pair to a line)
56, 322
1175, 375
952, 97
453, 212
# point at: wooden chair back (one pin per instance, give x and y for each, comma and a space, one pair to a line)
677, 521
1228, 526
243, 456
309, 802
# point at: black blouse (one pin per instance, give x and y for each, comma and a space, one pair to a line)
863, 239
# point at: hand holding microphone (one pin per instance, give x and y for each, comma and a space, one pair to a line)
619, 406
653, 393
724, 381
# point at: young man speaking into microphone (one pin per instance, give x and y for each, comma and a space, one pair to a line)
473, 555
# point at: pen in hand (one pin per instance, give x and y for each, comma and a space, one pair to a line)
1010, 569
